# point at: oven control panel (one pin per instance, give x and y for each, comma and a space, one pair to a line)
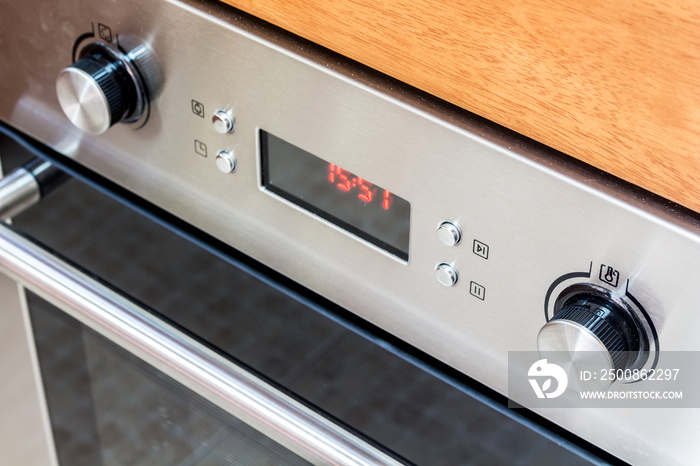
463, 239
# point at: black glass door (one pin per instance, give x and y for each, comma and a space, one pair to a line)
108, 407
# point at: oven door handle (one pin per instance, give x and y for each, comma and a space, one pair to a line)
207, 373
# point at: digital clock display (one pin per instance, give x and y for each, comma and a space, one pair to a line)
335, 194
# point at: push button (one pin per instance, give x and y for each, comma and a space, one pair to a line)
225, 161
223, 122
446, 274
449, 234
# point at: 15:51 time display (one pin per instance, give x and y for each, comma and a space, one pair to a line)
366, 191
329, 191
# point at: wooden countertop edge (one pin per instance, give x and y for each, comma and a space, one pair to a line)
614, 84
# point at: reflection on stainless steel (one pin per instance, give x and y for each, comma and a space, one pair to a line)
29, 112
212, 376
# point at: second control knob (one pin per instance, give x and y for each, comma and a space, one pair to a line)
595, 330
100, 89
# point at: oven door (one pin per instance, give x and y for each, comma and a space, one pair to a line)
130, 338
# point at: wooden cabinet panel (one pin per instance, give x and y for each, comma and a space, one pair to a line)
614, 83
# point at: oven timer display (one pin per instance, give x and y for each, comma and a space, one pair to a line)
365, 191
335, 194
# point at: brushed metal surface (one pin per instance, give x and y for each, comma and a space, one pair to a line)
541, 216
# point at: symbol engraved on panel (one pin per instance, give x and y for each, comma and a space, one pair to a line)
609, 275
481, 249
105, 32
200, 148
477, 291
198, 108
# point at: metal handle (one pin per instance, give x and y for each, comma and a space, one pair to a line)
207, 373
27, 185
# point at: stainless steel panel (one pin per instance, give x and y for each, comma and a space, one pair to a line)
539, 215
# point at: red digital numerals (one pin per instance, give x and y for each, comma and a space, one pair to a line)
366, 192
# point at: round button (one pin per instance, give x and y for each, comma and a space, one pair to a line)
223, 122
449, 234
446, 274
225, 161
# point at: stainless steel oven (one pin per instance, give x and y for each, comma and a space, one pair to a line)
266, 253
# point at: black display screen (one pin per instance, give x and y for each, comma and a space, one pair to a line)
329, 191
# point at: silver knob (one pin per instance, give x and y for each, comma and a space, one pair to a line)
223, 122
593, 330
449, 234
83, 101
99, 90
575, 349
225, 161
446, 274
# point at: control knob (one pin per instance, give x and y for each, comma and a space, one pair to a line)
595, 330
102, 88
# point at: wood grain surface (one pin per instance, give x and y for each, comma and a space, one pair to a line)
614, 83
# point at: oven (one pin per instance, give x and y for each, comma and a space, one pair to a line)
228, 245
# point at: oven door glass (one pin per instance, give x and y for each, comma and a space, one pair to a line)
108, 406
